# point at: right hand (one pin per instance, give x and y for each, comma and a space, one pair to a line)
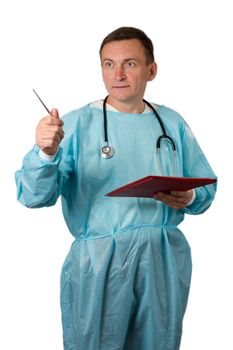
49, 133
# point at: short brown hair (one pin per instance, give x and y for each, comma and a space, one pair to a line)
127, 33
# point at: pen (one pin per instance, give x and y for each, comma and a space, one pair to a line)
41, 101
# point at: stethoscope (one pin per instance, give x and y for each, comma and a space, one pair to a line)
107, 151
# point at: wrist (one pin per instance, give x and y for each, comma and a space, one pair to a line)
192, 197
45, 156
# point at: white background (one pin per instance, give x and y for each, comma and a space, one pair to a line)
52, 46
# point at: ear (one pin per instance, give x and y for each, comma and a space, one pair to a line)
152, 71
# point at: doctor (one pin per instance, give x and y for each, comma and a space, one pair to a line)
125, 281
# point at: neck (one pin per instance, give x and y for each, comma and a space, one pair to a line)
126, 107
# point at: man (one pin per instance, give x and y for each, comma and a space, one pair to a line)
125, 281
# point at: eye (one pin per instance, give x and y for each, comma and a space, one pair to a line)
130, 64
108, 64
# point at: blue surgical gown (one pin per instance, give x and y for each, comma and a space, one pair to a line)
125, 281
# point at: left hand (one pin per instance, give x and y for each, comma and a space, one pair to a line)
175, 199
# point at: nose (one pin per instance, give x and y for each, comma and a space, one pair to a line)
120, 73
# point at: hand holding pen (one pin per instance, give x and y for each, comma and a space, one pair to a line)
49, 131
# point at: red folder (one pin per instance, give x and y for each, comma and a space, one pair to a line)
147, 186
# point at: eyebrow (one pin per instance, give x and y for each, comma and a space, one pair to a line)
125, 60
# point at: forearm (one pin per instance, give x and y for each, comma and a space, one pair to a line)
204, 198
37, 181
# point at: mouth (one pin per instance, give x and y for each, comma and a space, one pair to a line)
120, 87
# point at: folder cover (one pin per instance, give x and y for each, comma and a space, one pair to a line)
147, 186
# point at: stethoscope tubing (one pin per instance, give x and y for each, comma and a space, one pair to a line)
162, 126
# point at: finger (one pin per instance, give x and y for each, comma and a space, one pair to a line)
186, 195
47, 143
173, 204
51, 120
164, 196
61, 133
176, 206
54, 113
179, 193
54, 137
59, 122
54, 129
51, 135
170, 199
43, 129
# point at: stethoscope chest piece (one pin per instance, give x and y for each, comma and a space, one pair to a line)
107, 152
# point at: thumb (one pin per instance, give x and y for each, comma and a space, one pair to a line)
54, 113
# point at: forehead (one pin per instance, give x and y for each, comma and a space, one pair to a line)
123, 49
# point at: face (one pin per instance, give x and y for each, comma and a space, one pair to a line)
125, 71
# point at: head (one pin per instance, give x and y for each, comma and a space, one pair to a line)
128, 33
127, 61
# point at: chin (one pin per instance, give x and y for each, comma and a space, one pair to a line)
121, 96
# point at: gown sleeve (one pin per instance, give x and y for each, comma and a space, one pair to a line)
195, 164
40, 182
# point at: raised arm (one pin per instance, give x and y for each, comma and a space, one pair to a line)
40, 180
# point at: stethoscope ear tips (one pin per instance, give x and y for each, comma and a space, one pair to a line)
107, 152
